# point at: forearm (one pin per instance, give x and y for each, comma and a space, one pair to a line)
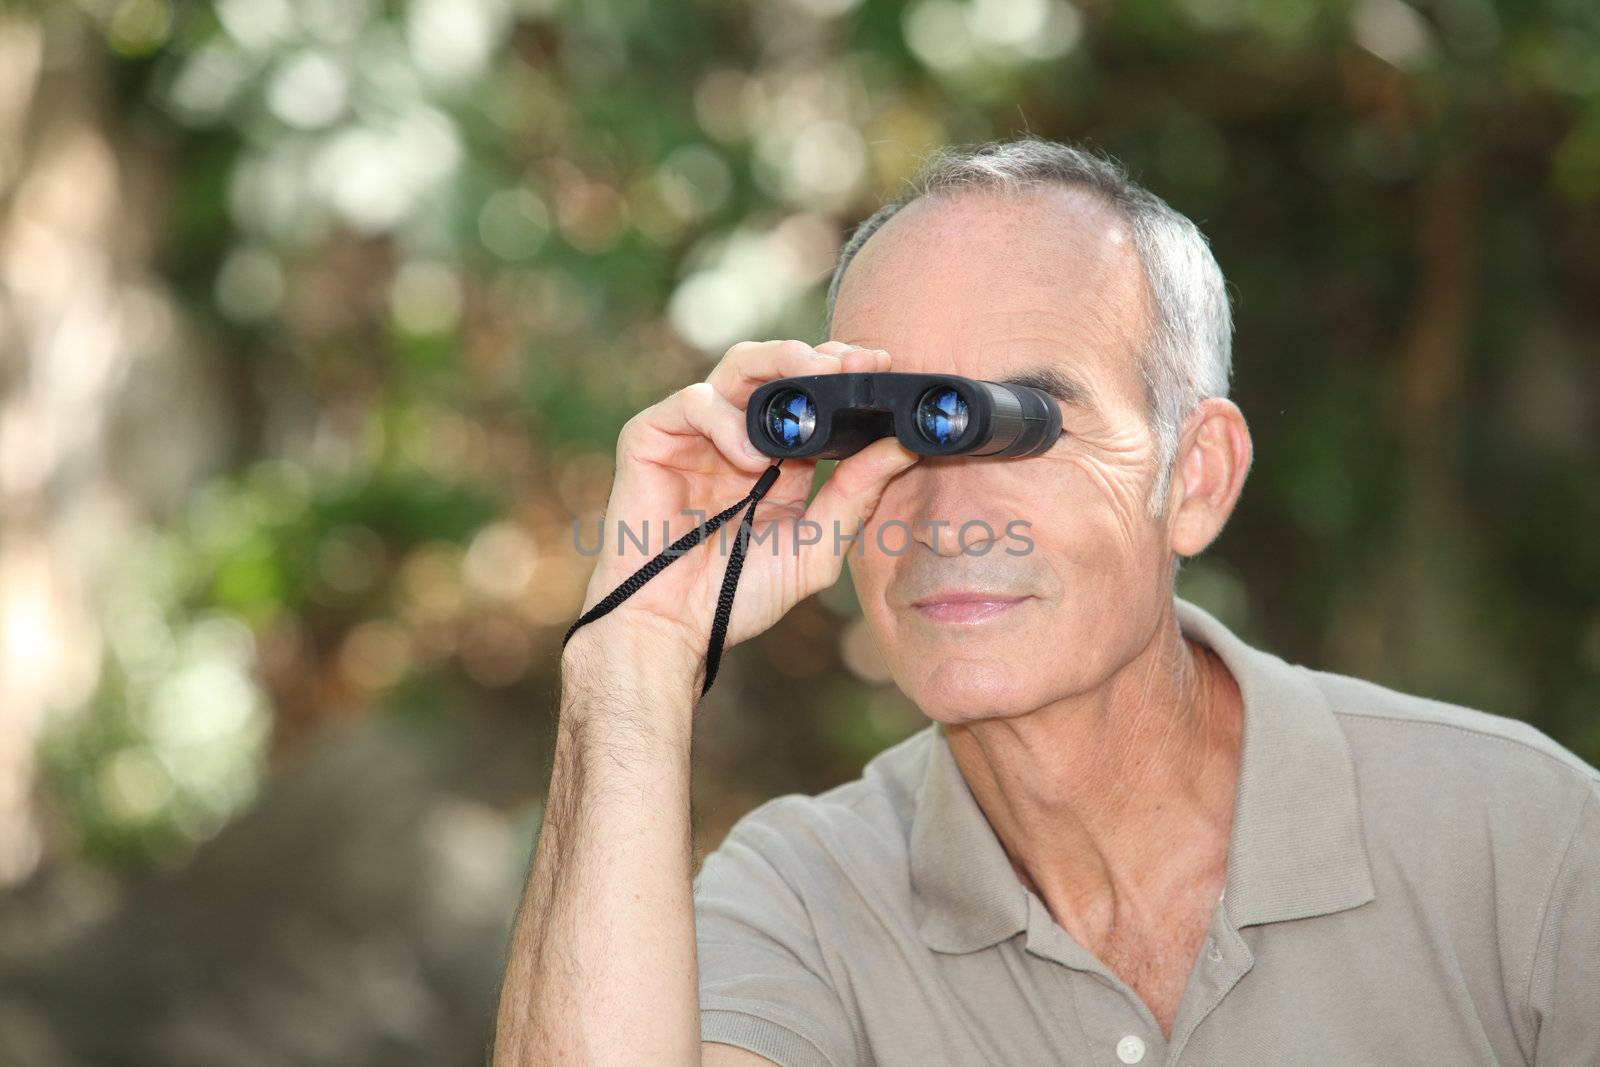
602, 963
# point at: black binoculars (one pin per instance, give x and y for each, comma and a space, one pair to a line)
831, 416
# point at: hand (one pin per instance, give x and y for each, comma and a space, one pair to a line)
687, 458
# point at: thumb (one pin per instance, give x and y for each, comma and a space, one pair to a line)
850, 494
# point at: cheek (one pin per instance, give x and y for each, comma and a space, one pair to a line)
1105, 505
869, 575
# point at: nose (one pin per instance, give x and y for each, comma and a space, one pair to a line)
950, 517
956, 537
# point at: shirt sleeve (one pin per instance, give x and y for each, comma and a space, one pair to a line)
1564, 992
763, 983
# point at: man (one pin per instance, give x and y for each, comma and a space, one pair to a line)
1126, 836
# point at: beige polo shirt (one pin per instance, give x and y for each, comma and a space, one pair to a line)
1409, 882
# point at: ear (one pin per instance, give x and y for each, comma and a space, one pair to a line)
1214, 454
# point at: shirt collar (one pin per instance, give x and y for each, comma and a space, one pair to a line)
1297, 848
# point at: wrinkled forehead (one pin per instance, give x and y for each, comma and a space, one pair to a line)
990, 285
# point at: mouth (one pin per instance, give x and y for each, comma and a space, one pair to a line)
966, 608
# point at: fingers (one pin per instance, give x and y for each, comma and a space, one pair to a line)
856, 360
750, 364
845, 501
699, 410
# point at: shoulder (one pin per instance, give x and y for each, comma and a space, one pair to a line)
1428, 766
879, 803
859, 825
1437, 736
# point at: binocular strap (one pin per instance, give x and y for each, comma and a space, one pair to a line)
730, 577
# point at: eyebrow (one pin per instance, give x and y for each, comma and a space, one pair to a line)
1055, 382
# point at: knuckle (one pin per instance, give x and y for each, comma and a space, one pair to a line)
695, 397
642, 420
629, 434
796, 349
627, 443
734, 356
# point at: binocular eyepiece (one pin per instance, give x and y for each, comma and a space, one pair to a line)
831, 416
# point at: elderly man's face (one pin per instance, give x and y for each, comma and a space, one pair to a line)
989, 288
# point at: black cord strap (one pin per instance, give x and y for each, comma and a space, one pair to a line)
730, 577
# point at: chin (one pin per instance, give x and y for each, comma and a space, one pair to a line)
961, 689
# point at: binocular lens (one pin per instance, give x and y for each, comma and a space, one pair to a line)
942, 415
791, 418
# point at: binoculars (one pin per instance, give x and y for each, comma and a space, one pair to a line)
831, 416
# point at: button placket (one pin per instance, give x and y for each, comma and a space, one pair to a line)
1217, 979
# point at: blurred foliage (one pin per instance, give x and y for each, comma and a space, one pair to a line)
427, 256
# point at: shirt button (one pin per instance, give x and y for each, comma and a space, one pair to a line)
1130, 1049
1213, 953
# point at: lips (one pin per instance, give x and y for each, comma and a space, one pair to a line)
966, 607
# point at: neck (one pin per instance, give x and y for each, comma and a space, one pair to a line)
1116, 805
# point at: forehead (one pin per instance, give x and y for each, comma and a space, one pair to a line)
989, 285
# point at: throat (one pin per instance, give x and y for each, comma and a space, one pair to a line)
1139, 868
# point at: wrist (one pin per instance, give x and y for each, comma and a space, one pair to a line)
636, 652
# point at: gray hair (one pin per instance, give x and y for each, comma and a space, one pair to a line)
1187, 353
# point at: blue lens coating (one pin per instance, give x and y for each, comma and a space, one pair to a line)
791, 418
942, 415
